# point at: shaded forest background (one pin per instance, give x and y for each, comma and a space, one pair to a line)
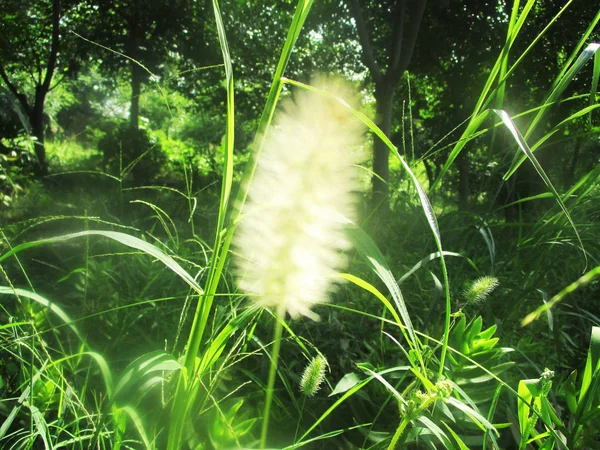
83, 82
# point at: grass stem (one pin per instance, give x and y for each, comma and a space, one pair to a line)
272, 372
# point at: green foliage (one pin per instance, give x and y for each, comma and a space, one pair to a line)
17, 162
478, 362
126, 329
132, 150
576, 426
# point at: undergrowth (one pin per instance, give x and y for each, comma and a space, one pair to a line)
123, 326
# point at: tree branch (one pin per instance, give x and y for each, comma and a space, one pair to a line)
408, 46
365, 42
53, 46
14, 91
397, 36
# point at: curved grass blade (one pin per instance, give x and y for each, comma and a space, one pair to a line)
437, 432
137, 421
125, 239
367, 248
528, 154
45, 303
137, 372
560, 84
582, 281
564, 123
595, 77
431, 257
373, 290
425, 204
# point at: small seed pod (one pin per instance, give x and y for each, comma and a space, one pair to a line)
313, 376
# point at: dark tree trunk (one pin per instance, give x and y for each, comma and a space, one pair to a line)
570, 174
405, 21
430, 173
36, 120
136, 88
35, 112
384, 97
463, 181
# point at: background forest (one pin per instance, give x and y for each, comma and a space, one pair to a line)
469, 313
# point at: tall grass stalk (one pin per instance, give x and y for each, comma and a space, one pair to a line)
223, 237
277, 331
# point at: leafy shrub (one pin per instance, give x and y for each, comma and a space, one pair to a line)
132, 150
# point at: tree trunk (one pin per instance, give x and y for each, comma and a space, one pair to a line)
570, 174
429, 172
384, 97
36, 120
136, 88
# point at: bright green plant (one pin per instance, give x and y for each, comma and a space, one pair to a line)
437, 397
478, 345
576, 427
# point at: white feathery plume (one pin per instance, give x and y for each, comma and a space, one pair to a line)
291, 240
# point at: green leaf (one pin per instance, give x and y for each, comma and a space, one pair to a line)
347, 382
436, 431
136, 381
367, 248
569, 391
591, 374
475, 416
582, 281
529, 154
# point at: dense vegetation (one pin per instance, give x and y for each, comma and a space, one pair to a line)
171, 224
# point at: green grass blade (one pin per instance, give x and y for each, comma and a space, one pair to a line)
137, 421
437, 432
499, 72
221, 250
595, 77
475, 416
138, 371
104, 370
367, 248
373, 290
217, 345
431, 257
582, 112
562, 82
302, 10
582, 281
487, 95
204, 307
529, 154
45, 303
125, 239
467, 135
347, 394
230, 131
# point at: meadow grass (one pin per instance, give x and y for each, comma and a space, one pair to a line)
422, 380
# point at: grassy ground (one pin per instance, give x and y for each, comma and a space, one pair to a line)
122, 324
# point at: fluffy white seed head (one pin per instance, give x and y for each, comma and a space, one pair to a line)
291, 241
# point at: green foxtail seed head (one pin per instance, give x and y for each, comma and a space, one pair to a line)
291, 238
480, 289
313, 376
